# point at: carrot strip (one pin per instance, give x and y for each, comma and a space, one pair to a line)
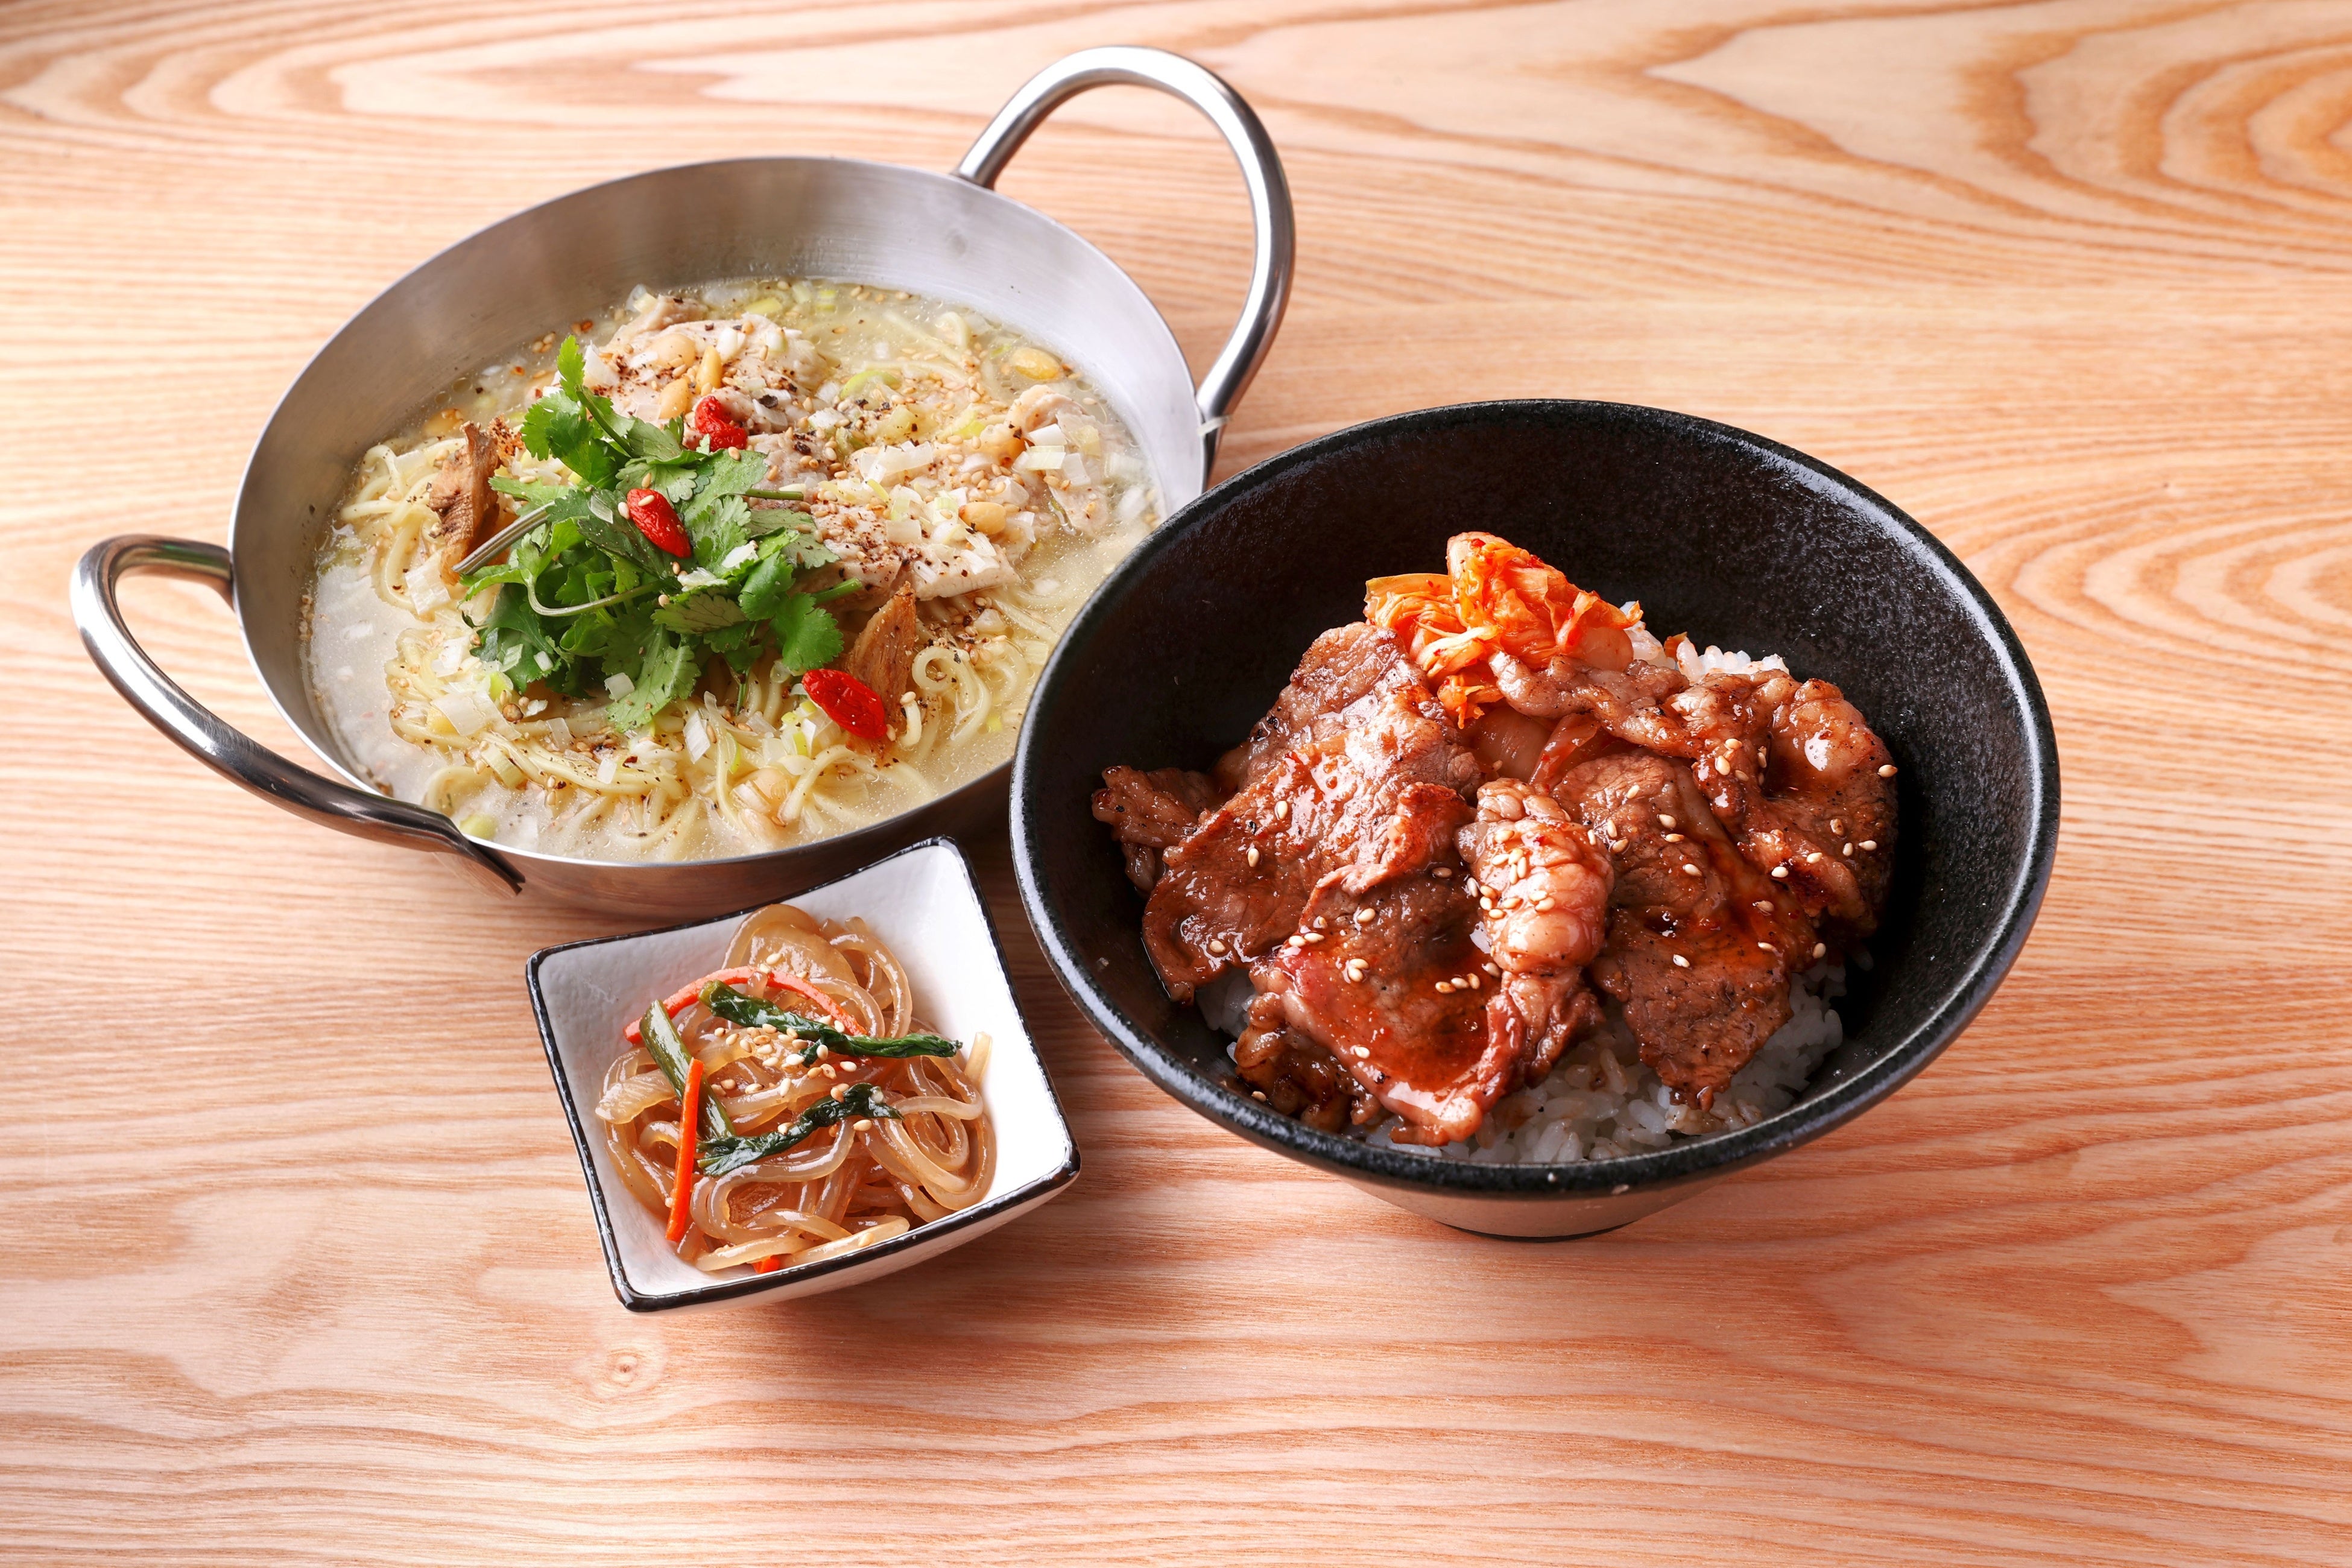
689, 1121
770, 1264
826, 1005
685, 996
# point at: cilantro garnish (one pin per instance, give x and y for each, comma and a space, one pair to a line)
585, 596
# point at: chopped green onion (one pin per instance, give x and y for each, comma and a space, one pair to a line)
669, 1054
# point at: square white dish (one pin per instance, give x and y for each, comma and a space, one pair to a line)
923, 903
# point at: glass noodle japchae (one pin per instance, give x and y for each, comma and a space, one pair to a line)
791, 1105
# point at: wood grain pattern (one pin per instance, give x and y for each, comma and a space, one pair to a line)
294, 1265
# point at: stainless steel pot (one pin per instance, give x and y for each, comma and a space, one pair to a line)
951, 236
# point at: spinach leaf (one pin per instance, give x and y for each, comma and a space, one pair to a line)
717, 1156
751, 1013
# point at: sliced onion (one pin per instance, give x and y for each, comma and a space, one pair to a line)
625, 1101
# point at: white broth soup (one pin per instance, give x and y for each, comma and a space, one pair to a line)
802, 549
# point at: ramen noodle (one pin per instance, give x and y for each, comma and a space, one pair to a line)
928, 468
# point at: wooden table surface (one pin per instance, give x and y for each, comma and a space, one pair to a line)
294, 1261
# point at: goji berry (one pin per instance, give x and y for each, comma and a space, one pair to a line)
848, 703
716, 425
654, 518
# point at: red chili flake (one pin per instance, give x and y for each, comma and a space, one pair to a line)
651, 511
848, 703
716, 425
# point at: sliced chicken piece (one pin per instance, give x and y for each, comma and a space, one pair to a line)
1037, 408
461, 497
884, 655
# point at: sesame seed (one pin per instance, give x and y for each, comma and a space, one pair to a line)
1546, 904
1887, 772
1681, 963
1814, 856
1258, 1095
1782, 872
1837, 825
1665, 821
842, 1093
1674, 838
863, 1124
1848, 850
1617, 845
1445, 871
822, 1051
1362, 1051
1252, 855
1216, 947
1445, 987
1689, 868
1282, 811
1294, 941
1471, 981
1312, 937
1364, 916
1820, 949
1470, 885
1321, 924
1870, 844
1763, 906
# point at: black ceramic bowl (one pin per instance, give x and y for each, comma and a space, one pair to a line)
1725, 535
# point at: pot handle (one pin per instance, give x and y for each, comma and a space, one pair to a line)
1269, 192
201, 733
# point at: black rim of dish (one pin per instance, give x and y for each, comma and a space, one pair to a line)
1061, 1176
1692, 1160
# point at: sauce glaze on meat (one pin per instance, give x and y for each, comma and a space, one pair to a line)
1471, 816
